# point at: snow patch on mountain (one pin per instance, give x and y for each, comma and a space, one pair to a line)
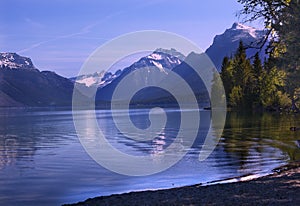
89, 81
227, 43
159, 66
172, 52
15, 61
244, 30
163, 59
98, 79
155, 56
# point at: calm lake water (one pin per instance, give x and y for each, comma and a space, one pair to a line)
43, 163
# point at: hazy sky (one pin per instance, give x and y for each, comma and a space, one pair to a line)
59, 35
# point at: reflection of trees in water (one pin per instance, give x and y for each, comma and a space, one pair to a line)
12, 148
248, 137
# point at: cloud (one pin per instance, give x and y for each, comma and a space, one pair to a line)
34, 23
85, 30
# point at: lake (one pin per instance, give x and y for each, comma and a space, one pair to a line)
43, 163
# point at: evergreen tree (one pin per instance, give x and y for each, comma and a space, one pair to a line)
226, 76
289, 33
282, 18
217, 91
236, 97
249, 86
257, 80
271, 89
242, 76
257, 66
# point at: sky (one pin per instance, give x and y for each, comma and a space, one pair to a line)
59, 35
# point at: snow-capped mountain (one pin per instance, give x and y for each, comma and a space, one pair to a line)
172, 52
98, 79
21, 84
89, 79
154, 95
15, 61
227, 43
163, 59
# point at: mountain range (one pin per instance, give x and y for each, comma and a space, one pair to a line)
224, 44
21, 84
160, 58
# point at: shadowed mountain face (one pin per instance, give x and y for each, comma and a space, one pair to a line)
227, 43
164, 63
21, 84
15, 61
161, 59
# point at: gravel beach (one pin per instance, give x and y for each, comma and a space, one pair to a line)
280, 188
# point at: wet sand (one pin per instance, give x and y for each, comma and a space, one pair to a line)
280, 188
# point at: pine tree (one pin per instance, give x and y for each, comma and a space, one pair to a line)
289, 33
226, 76
271, 91
282, 19
253, 86
236, 97
257, 80
243, 76
217, 91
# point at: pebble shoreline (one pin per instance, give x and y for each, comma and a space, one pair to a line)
280, 188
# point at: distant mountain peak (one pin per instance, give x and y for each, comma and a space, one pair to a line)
172, 52
163, 59
237, 25
23, 85
227, 43
15, 61
245, 29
